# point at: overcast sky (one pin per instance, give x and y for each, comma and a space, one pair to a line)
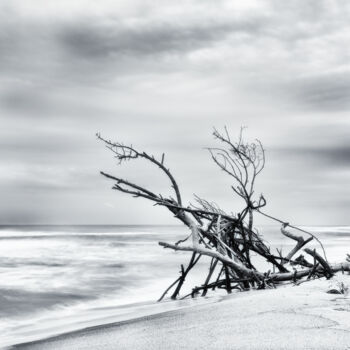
160, 75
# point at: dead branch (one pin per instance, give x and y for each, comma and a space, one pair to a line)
301, 242
124, 153
229, 239
296, 228
213, 264
289, 276
238, 268
318, 257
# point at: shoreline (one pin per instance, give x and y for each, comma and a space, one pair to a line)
101, 317
289, 317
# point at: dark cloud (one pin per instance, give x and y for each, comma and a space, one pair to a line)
328, 92
105, 40
43, 103
15, 215
332, 156
19, 100
40, 145
45, 181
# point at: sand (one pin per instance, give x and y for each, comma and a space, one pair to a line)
290, 317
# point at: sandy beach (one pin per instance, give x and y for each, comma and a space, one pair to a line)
174, 175
289, 317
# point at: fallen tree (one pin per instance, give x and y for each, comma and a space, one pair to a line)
229, 240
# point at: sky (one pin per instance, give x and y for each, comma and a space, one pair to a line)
160, 75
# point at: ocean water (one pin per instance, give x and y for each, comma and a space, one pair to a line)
59, 278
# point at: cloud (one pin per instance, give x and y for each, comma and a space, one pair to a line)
322, 157
160, 75
101, 41
113, 38
325, 92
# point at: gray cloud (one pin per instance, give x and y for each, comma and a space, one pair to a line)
20, 100
336, 156
107, 40
43, 145
326, 92
160, 76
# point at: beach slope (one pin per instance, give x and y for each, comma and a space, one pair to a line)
290, 317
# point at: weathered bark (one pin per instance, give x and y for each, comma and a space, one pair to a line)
211, 271
240, 269
301, 242
184, 273
328, 270
227, 279
289, 276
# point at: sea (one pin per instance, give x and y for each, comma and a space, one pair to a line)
56, 279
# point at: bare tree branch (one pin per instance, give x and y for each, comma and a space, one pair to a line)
229, 239
124, 153
300, 241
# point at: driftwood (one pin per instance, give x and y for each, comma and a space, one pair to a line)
230, 240
300, 241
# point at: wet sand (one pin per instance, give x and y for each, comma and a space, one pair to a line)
290, 317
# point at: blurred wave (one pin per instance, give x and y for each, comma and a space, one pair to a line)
52, 272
